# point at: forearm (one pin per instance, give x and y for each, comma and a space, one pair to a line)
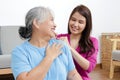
73, 75
39, 72
84, 63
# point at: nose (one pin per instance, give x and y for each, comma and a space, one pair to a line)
76, 23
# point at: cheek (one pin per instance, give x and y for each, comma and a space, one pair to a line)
83, 27
45, 30
70, 23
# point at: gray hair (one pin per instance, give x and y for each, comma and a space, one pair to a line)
38, 13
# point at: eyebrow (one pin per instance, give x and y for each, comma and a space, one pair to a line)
75, 18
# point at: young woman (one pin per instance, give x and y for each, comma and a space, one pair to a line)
84, 47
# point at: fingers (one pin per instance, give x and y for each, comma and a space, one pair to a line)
57, 45
47, 46
54, 50
62, 38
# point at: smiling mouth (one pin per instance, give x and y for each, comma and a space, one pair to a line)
73, 29
53, 29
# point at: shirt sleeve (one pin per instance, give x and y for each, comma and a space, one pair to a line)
93, 58
71, 65
19, 62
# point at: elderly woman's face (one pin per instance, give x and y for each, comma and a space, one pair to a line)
48, 27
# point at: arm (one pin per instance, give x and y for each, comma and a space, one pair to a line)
86, 64
89, 63
40, 71
73, 75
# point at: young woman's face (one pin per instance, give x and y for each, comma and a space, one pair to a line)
77, 23
48, 27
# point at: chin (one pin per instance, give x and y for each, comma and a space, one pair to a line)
52, 36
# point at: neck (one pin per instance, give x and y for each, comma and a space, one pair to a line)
39, 41
75, 37
74, 40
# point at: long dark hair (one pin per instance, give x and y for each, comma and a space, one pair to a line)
85, 43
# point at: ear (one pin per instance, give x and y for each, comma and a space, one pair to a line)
35, 23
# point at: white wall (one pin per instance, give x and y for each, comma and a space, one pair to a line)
105, 13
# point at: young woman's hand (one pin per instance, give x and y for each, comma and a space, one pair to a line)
65, 40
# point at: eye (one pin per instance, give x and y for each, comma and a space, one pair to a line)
73, 19
52, 19
81, 22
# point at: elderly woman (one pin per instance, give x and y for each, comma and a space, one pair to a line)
41, 56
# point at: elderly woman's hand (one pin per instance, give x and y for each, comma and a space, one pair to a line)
54, 50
